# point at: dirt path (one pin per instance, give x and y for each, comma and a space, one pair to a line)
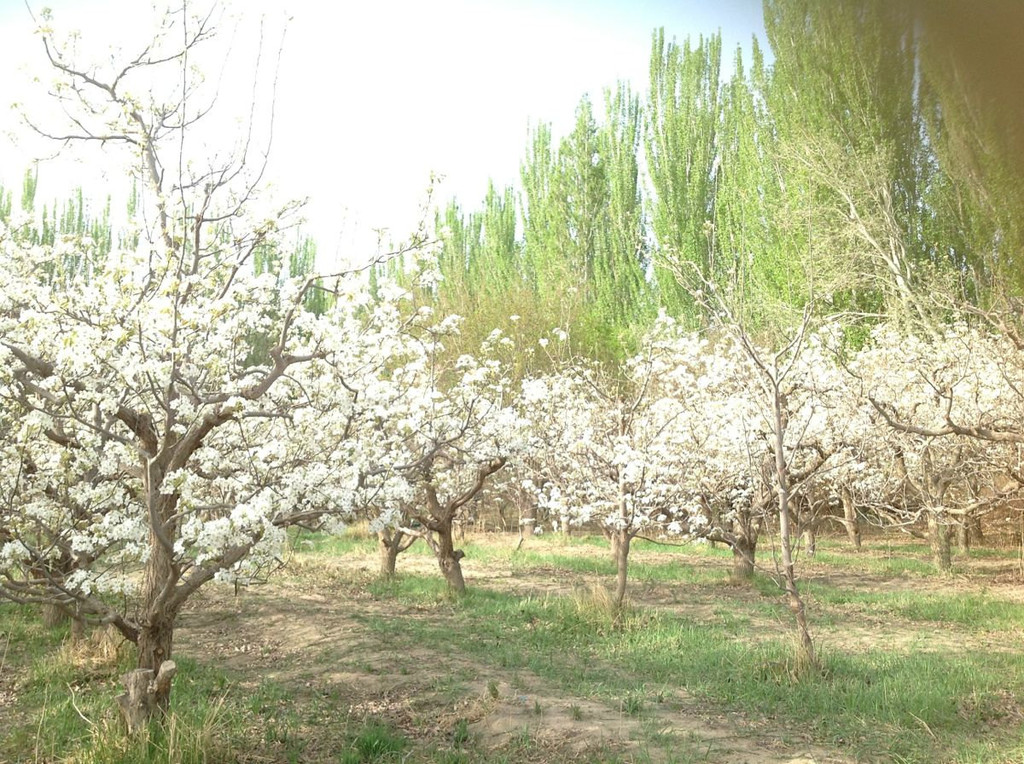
312, 638
308, 630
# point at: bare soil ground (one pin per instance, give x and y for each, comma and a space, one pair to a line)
306, 630
303, 639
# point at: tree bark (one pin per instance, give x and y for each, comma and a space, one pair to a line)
810, 541
527, 517
620, 543
389, 546
53, 615
78, 630
850, 518
938, 537
968, 532
156, 640
160, 577
145, 696
782, 477
156, 635
613, 543
963, 537
974, 528
449, 559
563, 526
744, 550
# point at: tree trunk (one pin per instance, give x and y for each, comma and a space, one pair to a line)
796, 604
563, 526
388, 546
53, 615
449, 559
963, 537
850, 518
620, 543
974, 526
613, 543
810, 541
145, 696
78, 629
156, 639
938, 536
527, 519
156, 636
793, 599
743, 555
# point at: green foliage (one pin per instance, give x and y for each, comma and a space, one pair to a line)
272, 255
969, 66
584, 238
582, 259
682, 128
85, 233
756, 241
855, 158
376, 741
479, 260
844, 177
912, 704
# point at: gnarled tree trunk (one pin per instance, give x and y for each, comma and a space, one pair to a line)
388, 551
744, 546
440, 518
146, 695
743, 556
390, 544
53, 615
938, 537
810, 541
850, 520
963, 537
449, 558
156, 634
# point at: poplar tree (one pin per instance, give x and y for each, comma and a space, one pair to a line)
544, 218
73, 220
755, 235
623, 295
583, 223
851, 136
970, 63
683, 117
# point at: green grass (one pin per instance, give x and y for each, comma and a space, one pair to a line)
913, 705
977, 612
902, 566
307, 543
412, 589
921, 699
1009, 554
66, 696
375, 742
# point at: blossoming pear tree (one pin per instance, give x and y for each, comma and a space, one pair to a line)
153, 447
616, 451
794, 390
948, 429
436, 429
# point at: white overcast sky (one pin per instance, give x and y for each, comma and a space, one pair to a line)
374, 96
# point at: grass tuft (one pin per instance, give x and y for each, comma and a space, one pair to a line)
376, 741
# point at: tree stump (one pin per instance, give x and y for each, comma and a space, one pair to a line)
146, 693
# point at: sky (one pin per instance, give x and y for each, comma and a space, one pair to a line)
375, 98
